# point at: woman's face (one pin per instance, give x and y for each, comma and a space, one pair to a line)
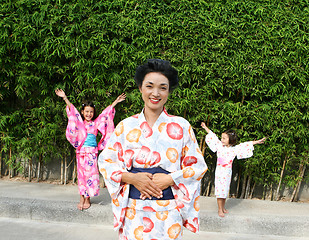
155, 90
88, 113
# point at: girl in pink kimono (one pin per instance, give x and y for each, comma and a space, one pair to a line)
226, 150
81, 132
152, 164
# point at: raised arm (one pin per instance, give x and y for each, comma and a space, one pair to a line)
119, 99
61, 93
260, 141
203, 125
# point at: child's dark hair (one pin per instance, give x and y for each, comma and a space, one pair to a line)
89, 104
232, 136
157, 65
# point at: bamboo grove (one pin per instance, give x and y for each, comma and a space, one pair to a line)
242, 64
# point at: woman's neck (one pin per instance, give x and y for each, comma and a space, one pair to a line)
152, 116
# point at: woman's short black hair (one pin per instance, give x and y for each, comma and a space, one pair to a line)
89, 104
157, 65
232, 136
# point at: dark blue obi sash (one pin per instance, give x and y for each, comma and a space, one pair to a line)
135, 193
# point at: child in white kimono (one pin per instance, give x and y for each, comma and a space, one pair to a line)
226, 150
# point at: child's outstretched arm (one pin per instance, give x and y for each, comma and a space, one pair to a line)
203, 125
260, 141
119, 99
61, 93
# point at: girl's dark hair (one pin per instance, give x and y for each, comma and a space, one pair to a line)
232, 136
89, 104
157, 65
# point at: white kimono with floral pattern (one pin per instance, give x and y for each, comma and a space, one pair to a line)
225, 157
169, 144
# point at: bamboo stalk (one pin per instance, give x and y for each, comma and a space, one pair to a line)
38, 171
24, 168
204, 187
248, 187
238, 183
299, 183
6, 172
39, 168
73, 157
281, 176
243, 187
272, 192
252, 190
1, 158
201, 143
203, 146
208, 188
1, 161
65, 169
300, 176
30, 170
61, 171
74, 173
264, 192
11, 164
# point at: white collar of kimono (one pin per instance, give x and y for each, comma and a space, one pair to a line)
162, 118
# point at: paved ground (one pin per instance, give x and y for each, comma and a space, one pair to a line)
48, 211
12, 229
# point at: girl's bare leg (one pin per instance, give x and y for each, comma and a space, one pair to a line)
81, 203
221, 207
87, 203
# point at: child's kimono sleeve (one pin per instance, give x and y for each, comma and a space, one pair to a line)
244, 150
187, 180
213, 141
105, 124
76, 132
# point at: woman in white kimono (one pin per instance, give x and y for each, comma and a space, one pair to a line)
226, 150
152, 165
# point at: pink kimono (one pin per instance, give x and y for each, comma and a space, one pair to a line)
76, 133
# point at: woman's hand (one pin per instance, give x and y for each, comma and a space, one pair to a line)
143, 182
119, 99
163, 180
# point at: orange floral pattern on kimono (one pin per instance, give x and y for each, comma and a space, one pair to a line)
169, 144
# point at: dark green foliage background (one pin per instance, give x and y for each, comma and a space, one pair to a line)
242, 65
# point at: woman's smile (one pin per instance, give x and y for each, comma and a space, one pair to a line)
154, 100
155, 90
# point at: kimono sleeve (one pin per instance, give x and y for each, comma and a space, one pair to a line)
193, 166
105, 124
111, 164
244, 150
76, 132
213, 141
